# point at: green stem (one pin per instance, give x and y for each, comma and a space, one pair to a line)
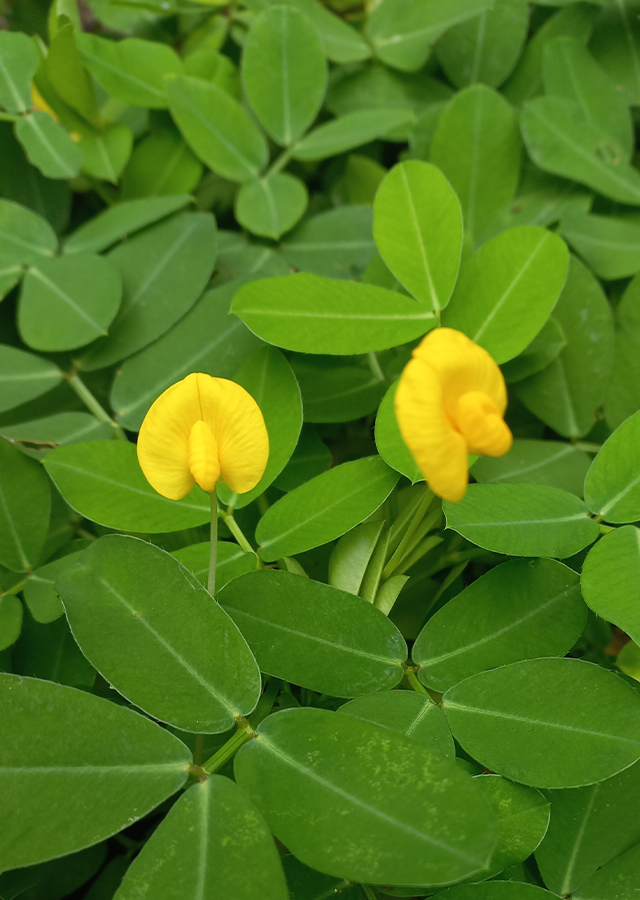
397, 530
374, 365
280, 162
236, 531
368, 892
227, 751
197, 753
266, 701
605, 529
7, 117
587, 446
415, 685
93, 405
213, 553
415, 533
421, 550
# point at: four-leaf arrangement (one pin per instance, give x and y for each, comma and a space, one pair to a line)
320, 469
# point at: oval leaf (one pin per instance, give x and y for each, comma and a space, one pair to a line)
48, 146
611, 579
25, 509
272, 205
612, 486
24, 376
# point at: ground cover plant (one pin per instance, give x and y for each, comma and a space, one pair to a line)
266, 267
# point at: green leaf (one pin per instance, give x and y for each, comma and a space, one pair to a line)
506, 291
615, 46
131, 70
569, 71
24, 376
497, 890
537, 462
611, 579
10, 620
48, 650
102, 480
268, 377
207, 340
610, 246
161, 164
522, 520
615, 881
25, 508
349, 131
231, 561
18, 63
339, 41
116, 222
26, 237
589, 827
284, 72
217, 128
402, 32
477, 146
311, 314
324, 508
77, 768
39, 592
623, 395
60, 428
272, 205
105, 154
487, 47
612, 487
310, 458
68, 301
164, 271
568, 392
554, 735
48, 146
235, 851
314, 635
336, 393
410, 714
560, 139
336, 243
56, 878
308, 884
519, 610
382, 836
134, 609
536, 356
389, 441
68, 76
417, 227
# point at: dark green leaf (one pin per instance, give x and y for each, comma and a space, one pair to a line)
48, 651
26, 237
623, 395
39, 591
615, 46
616, 881
610, 246
19, 61
336, 393
537, 462
161, 164
349, 131
10, 620
337, 243
536, 356
24, 376
25, 508
231, 561
60, 428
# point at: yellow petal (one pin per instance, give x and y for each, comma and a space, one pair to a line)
204, 463
482, 426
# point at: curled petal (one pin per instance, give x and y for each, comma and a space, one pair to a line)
482, 426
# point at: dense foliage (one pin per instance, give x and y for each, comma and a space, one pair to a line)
406, 693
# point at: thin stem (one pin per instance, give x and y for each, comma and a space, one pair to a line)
396, 532
236, 531
7, 117
213, 553
92, 404
280, 162
374, 365
227, 751
605, 529
587, 446
415, 685
407, 545
368, 892
197, 753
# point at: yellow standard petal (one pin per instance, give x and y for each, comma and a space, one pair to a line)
200, 431
450, 402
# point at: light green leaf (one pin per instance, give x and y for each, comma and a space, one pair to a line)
611, 579
615, 881
616, 37
348, 131
39, 591
231, 561
560, 139
402, 32
324, 508
10, 620
48, 146
383, 836
337, 243
105, 770
589, 827
206, 340
623, 394
610, 246
268, 377
486, 47
314, 635
612, 487
134, 609
507, 290
567, 393
351, 555
417, 226
272, 205
60, 428
536, 462
161, 164
235, 852
26, 237
164, 271
68, 76
217, 128
553, 735
339, 41
408, 713
25, 508
105, 154
519, 610
536, 356
311, 314
68, 301
522, 520
18, 63
477, 146
389, 441
130, 69
284, 72
24, 376
102, 480
116, 222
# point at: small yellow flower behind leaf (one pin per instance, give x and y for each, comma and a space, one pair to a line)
200, 431
450, 402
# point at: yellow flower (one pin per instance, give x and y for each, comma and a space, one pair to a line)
203, 430
38, 102
450, 402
